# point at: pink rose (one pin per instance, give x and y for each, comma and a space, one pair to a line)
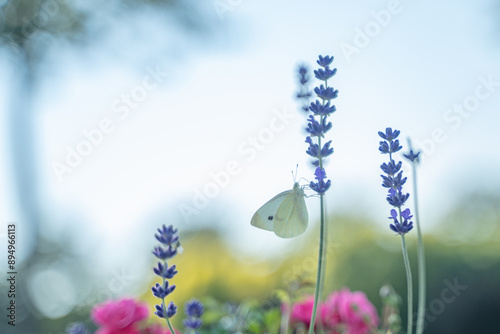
343, 312
301, 312
351, 311
118, 317
330, 318
157, 329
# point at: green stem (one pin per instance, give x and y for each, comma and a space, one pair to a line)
323, 271
170, 326
320, 266
322, 240
409, 284
285, 319
323, 233
420, 259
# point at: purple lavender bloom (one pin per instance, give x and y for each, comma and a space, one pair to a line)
321, 186
320, 174
314, 127
324, 61
194, 310
389, 135
304, 94
165, 271
77, 328
193, 323
168, 313
389, 147
162, 291
384, 147
394, 180
303, 74
401, 228
412, 156
326, 93
167, 235
324, 74
321, 109
317, 122
171, 310
406, 214
164, 253
160, 312
169, 239
313, 149
396, 197
391, 168
317, 129
326, 150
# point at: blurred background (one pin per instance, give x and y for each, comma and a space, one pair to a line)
117, 117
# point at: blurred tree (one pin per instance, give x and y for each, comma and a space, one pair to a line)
29, 30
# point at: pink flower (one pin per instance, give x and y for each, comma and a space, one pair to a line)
351, 311
157, 329
301, 312
118, 317
343, 312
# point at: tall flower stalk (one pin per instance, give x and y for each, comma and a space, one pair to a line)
401, 224
413, 157
169, 239
317, 126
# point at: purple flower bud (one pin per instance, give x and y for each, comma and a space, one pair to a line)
324, 61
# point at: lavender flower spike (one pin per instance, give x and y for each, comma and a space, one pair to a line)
169, 240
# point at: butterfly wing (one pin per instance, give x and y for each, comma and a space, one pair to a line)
292, 217
264, 217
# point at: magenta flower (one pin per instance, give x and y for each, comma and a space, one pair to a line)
350, 311
301, 312
157, 329
119, 317
343, 312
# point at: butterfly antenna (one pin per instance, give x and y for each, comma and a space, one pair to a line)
296, 172
303, 178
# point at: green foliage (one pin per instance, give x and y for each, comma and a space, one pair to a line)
390, 319
249, 316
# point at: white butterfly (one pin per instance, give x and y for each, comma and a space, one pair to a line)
285, 214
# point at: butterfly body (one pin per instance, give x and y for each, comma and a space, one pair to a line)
285, 214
